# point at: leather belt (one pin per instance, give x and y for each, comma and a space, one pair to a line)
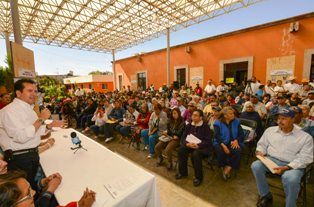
25, 151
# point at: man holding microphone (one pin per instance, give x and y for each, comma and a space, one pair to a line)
21, 128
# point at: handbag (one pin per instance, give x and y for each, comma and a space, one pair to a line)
164, 138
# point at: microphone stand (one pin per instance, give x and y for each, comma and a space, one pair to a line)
78, 147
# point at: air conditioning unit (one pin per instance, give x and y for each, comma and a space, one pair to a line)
294, 27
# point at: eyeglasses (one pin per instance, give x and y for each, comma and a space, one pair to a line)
28, 196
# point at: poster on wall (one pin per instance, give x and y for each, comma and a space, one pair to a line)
196, 76
280, 68
133, 82
22, 61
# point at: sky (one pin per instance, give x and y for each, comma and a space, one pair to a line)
50, 60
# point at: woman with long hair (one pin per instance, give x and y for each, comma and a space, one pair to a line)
157, 124
172, 136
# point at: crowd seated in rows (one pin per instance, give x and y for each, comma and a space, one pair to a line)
166, 120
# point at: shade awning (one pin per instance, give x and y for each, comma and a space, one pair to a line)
103, 25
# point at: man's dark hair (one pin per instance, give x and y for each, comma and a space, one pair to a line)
9, 194
12, 176
19, 85
200, 112
9, 191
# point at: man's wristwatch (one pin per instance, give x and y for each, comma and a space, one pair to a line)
289, 168
42, 121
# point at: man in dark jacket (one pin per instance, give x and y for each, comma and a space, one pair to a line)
199, 147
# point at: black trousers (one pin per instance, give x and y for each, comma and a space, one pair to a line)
28, 163
232, 160
196, 158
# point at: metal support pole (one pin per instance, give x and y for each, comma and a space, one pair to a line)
168, 56
16, 22
7, 44
114, 70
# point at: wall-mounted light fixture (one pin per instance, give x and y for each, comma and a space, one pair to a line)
294, 27
188, 49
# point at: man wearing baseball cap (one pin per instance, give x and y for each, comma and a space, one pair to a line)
291, 149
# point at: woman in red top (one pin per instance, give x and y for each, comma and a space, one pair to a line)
143, 117
142, 123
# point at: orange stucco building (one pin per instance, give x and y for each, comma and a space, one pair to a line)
98, 83
270, 51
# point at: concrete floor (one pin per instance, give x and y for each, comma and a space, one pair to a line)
239, 191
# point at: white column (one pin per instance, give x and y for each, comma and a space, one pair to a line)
7, 43
168, 57
114, 70
16, 22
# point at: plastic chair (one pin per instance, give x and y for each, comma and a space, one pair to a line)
249, 128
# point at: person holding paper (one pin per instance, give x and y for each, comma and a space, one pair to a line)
201, 131
175, 128
228, 141
291, 149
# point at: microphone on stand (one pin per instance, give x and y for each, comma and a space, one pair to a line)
76, 141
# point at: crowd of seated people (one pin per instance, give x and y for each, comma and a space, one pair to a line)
164, 120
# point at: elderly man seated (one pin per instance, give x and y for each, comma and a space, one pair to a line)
291, 149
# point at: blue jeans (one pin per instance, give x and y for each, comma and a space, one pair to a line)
124, 130
97, 129
149, 140
290, 179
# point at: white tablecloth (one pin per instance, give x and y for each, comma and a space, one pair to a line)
126, 184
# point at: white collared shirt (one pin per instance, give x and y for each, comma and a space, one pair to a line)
292, 87
16, 126
295, 147
210, 88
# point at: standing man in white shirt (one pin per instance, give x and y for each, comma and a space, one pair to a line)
210, 87
21, 128
291, 149
222, 87
252, 86
292, 86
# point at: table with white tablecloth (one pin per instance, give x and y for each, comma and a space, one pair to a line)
116, 181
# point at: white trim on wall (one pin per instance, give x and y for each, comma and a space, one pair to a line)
307, 63
142, 71
248, 59
186, 73
120, 74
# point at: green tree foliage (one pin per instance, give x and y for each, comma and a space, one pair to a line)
6, 75
51, 87
97, 72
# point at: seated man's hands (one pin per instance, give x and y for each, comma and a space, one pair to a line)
52, 182
87, 199
281, 169
192, 145
259, 153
